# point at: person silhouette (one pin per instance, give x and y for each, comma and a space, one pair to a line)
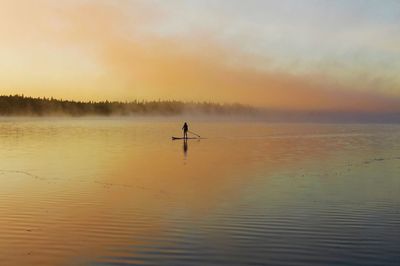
185, 129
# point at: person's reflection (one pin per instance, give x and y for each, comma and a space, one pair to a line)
185, 147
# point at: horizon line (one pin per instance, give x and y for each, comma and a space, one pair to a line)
223, 104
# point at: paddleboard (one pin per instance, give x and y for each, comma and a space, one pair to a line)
176, 138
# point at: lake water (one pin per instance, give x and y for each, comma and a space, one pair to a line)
121, 192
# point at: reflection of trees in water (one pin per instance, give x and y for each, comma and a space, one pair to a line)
21, 105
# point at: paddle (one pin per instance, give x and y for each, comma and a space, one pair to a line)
194, 134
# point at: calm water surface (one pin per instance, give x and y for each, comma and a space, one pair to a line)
120, 192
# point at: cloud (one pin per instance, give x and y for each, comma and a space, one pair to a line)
125, 57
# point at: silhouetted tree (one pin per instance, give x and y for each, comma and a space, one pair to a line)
19, 105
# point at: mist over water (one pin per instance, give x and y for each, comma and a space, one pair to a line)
102, 191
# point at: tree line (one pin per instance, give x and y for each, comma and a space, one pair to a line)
20, 105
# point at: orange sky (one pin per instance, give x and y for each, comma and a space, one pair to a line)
187, 50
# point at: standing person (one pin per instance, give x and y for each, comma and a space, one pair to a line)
185, 129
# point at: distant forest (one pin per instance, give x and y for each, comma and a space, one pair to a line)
19, 105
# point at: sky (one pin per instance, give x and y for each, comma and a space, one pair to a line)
341, 55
